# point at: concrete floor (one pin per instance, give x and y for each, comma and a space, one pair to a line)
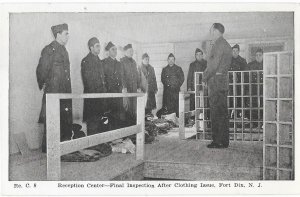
166, 149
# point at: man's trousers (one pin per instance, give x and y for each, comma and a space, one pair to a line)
219, 117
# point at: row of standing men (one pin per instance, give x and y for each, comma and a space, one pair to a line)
111, 76
238, 63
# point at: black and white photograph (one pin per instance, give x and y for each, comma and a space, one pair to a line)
143, 99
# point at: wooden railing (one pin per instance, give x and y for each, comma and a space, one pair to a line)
55, 148
182, 112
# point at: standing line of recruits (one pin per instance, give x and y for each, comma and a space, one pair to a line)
112, 76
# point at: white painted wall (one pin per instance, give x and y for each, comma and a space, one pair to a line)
29, 33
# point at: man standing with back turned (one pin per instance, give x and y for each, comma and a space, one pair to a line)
216, 77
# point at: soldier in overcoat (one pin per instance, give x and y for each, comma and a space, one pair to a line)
113, 73
92, 73
132, 81
149, 74
237, 62
53, 76
172, 78
199, 65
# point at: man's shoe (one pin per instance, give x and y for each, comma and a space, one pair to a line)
212, 145
215, 145
225, 146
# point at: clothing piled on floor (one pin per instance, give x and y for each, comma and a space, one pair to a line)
90, 154
123, 146
156, 127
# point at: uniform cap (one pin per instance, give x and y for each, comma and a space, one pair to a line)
59, 28
128, 46
109, 45
198, 50
145, 55
236, 46
171, 55
259, 50
92, 42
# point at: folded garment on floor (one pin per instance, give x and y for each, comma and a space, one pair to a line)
79, 157
103, 149
126, 146
90, 154
164, 125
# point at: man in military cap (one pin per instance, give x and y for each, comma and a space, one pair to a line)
172, 78
216, 77
199, 65
53, 76
92, 73
237, 62
113, 73
257, 64
149, 74
131, 79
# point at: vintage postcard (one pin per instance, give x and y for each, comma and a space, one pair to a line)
149, 98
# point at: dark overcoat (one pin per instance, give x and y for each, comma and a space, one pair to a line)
255, 65
196, 66
238, 64
113, 73
172, 78
53, 76
149, 74
92, 73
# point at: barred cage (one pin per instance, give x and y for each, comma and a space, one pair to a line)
279, 116
245, 106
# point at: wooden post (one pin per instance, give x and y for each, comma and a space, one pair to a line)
181, 116
140, 137
53, 137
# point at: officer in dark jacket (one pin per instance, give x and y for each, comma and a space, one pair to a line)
53, 76
172, 78
257, 64
237, 62
131, 79
216, 77
199, 65
92, 73
114, 82
149, 74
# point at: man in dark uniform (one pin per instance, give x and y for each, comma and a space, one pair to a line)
257, 64
216, 77
237, 62
149, 74
53, 76
132, 80
199, 65
114, 82
172, 78
92, 73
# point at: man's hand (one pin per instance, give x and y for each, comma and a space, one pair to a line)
204, 84
124, 90
189, 89
139, 90
126, 103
